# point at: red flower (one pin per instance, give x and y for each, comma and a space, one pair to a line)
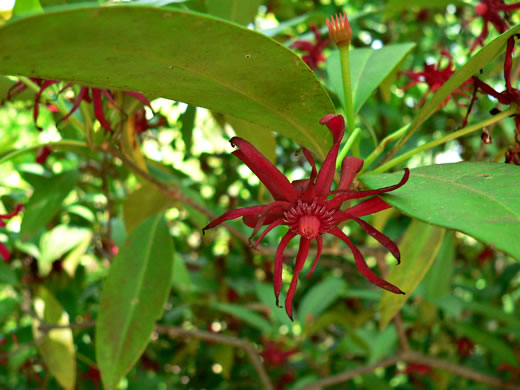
274, 355
304, 206
489, 11
435, 77
465, 346
42, 154
314, 51
4, 252
142, 124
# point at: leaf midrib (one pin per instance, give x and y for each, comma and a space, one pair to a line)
470, 189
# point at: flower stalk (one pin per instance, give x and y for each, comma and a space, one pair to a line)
457, 134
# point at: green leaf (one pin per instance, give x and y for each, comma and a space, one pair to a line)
368, 69
71, 262
483, 57
57, 346
239, 11
7, 275
252, 318
420, 244
181, 279
491, 311
394, 6
488, 340
7, 307
143, 203
263, 138
208, 64
46, 202
437, 282
187, 120
319, 298
477, 198
133, 298
58, 241
265, 293
22, 7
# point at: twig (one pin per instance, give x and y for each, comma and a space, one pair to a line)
173, 331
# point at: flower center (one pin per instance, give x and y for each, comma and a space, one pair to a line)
309, 219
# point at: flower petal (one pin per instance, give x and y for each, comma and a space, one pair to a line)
384, 240
233, 214
362, 265
319, 241
268, 212
277, 184
303, 45
19, 207
139, 97
303, 251
276, 223
338, 200
278, 264
369, 206
36, 110
4, 253
336, 125
310, 159
98, 109
77, 101
349, 169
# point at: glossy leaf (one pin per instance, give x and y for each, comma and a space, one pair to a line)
239, 11
318, 298
437, 282
57, 346
263, 138
46, 202
368, 69
143, 203
418, 248
483, 57
22, 7
133, 298
252, 318
477, 198
208, 64
187, 120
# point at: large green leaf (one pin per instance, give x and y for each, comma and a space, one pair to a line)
477, 198
368, 69
173, 54
46, 202
319, 298
483, 57
133, 298
420, 244
239, 11
56, 346
264, 138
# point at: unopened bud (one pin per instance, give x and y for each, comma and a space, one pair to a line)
486, 137
481, 9
340, 31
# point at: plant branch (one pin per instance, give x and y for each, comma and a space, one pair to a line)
449, 137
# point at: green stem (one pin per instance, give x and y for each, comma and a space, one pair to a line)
347, 86
64, 144
350, 141
449, 137
62, 108
383, 144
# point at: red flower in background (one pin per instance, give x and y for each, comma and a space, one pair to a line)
507, 97
142, 124
304, 206
314, 50
274, 354
435, 77
465, 346
4, 252
489, 11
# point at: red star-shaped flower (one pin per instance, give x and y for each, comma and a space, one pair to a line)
310, 208
435, 77
314, 51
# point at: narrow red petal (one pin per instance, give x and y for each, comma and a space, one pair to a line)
362, 265
349, 169
267, 212
110, 98
98, 109
233, 214
252, 220
384, 240
367, 207
303, 45
36, 110
4, 252
139, 97
336, 125
278, 264
277, 184
319, 241
508, 63
276, 223
303, 251
77, 102
339, 199
310, 159
19, 207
